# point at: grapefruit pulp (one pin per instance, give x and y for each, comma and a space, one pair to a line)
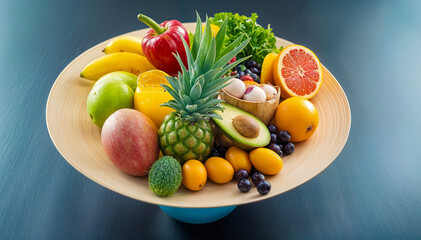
298, 72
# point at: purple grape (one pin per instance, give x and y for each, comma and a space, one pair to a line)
254, 70
276, 148
254, 76
241, 174
284, 137
244, 185
251, 63
272, 128
263, 187
288, 148
257, 178
273, 138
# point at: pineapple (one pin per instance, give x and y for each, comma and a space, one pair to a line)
187, 133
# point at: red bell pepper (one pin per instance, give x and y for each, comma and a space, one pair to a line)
162, 41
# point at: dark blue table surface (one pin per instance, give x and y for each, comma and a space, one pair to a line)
371, 191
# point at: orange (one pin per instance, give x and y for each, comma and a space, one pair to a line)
219, 170
266, 76
266, 161
298, 72
150, 95
194, 175
298, 116
250, 83
238, 158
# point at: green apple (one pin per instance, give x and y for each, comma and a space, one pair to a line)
126, 77
106, 97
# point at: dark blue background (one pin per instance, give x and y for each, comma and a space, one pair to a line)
371, 191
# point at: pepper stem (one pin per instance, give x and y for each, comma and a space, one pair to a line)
151, 23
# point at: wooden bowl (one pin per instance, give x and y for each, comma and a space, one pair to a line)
263, 111
78, 141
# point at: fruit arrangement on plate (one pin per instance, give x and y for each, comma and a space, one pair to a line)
220, 103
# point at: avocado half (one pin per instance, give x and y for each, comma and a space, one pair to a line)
226, 126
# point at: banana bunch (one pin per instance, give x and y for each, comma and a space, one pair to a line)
123, 53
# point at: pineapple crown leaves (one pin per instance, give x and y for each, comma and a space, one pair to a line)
197, 87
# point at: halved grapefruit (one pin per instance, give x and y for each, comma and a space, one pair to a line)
298, 72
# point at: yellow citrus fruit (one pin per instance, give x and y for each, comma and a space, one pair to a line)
194, 175
214, 29
219, 170
298, 116
238, 158
150, 95
298, 72
266, 76
266, 161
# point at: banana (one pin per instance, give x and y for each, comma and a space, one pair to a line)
122, 61
124, 44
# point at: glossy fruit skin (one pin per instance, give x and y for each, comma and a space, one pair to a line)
266, 75
257, 177
272, 128
244, 185
263, 187
266, 161
241, 174
288, 148
130, 141
107, 97
284, 137
273, 138
194, 175
159, 47
276, 148
219, 170
131, 44
238, 158
298, 116
121, 61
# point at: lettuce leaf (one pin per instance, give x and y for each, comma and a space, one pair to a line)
262, 40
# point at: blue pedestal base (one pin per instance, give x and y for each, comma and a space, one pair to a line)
198, 215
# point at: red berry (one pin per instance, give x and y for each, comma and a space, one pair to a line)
247, 78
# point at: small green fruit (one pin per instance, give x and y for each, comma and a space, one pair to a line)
126, 77
165, 176
106, 97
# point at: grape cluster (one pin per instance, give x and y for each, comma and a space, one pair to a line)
280, 141
258, 179
248, 71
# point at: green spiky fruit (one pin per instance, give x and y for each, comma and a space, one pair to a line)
187, 134
184, 139
165, 176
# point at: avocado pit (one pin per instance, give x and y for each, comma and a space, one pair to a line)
246, 126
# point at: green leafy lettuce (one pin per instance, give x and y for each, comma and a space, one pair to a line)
262, 40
